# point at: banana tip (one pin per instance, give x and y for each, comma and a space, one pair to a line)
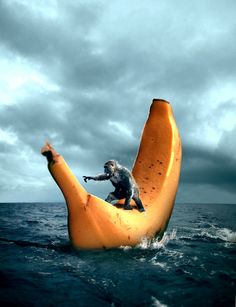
155, 100
160, 106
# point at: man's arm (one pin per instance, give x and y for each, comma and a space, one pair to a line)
97, 178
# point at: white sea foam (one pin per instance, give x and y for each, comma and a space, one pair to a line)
157, 303
168, 254
162, 265
227, 235
212, 232
125, 248
155, 244
223, 234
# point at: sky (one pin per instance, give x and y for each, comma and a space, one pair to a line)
82, 74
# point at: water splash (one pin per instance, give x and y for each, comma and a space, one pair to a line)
227, 235
155, 244
223, 234
212, 234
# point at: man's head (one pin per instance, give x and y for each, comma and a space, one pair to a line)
110, 167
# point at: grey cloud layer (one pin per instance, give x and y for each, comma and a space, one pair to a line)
108, 62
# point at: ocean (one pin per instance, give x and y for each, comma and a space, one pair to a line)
193, 265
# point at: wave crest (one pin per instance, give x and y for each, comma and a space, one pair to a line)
150, 243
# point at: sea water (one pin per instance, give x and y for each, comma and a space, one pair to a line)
193, 265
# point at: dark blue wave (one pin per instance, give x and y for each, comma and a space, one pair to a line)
193, 264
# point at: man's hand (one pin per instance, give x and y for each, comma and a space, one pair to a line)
87, 178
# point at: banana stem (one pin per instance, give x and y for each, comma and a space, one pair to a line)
65, 179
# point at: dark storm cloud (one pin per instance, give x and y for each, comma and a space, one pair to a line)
202, 166
63, 43
31, 119
33, 34
40, 118
176, 60
108, 63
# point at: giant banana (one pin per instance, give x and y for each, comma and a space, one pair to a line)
94, 223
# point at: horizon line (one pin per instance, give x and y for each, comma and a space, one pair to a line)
61, 202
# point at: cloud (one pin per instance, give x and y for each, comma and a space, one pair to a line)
202, 166
83, 75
